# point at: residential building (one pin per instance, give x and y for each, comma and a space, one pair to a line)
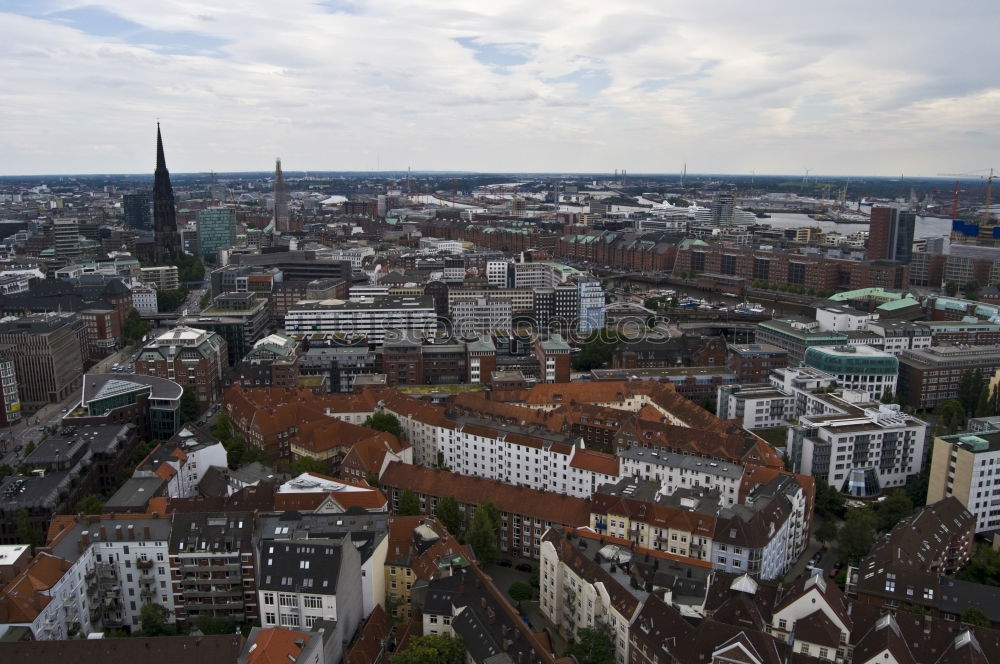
370, 318
303, 581
482, 314
367, 532
163, 277
183, 460
964, 466
10, 412
578, 592
212, 565
191, 357
525, 513
863, 450
67, 238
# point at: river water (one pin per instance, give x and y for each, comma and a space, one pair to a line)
924, 227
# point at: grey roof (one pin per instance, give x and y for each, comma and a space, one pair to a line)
366, 529
66, 547
957, 597
135, 493
725, 469
98, 386
255, 472
310, 566
211, 532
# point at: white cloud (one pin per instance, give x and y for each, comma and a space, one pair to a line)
726, 86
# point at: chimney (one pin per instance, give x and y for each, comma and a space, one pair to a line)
104, 535
118, 532
927, 624
482, 602
131, 532
145, 533
85, 537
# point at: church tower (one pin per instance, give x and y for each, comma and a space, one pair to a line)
168, 241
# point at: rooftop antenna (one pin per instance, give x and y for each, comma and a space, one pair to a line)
684, 173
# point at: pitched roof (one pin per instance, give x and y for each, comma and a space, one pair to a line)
25, 596
597, 462
369, 646
277, 645
544, 505
213, 649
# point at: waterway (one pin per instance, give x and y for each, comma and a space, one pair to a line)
924, 226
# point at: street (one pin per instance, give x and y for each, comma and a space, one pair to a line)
31, 427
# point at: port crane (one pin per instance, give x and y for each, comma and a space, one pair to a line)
989, 191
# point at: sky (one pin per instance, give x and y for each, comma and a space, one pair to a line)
866, 88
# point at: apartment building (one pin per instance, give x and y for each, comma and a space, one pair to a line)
164, 277
212, 566
863, 450
856, 367
930, 376
303, 581
578, 592
481, 314
370, 318
967, 467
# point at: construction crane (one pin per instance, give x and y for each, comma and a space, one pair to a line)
989, 190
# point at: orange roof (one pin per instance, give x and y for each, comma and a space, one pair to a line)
596, 462
277, 645
544, 505
24, 595
371, 638
369, 454
655, 553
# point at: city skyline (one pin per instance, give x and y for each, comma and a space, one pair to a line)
382, 86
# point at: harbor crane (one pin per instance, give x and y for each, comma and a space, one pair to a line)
989, 190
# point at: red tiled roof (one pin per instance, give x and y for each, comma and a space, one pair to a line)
596, 462
277, 645
545, 505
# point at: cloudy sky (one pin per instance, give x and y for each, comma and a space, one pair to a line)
878, 88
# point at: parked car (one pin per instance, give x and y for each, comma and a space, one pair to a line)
506, 562
523, 567
835, 570
818, 556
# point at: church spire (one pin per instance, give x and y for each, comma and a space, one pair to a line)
161, 161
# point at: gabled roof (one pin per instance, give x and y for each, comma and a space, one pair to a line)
277, 645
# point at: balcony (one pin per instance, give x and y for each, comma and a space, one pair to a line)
144, 565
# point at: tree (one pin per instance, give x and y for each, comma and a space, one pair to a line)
167, 301
29, 448
449, 514
916, 487
432, 649
829, 501
888, 396
520, 591
950, 415
975, 617
969, 387
983, 567
971, 290
951, 289
209, 624
593, 646
983, 403
826, 532
891, 510
310, 465
190, 410
27, 532
206, 299
409, 504
386, 422
856, 536
90, 505
135, 328
597, 350
154, 619
482, 536
5, 470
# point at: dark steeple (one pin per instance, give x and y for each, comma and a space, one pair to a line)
168, 244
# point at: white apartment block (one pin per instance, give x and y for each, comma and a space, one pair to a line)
521, 299
577, 593
674, 471
106, 571
163, 277
862, 451
144, 299
833, 318
354, 255
496, 273
368, 317
481, 314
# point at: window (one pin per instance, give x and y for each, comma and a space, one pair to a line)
285, 599
313, 602
434, 620
269, 599
269, 618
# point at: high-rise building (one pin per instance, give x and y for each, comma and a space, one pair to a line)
963, 465
722, 209
890, 234
280, 198
216, 230
47, 350
67, 239
138, 209
168, 240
